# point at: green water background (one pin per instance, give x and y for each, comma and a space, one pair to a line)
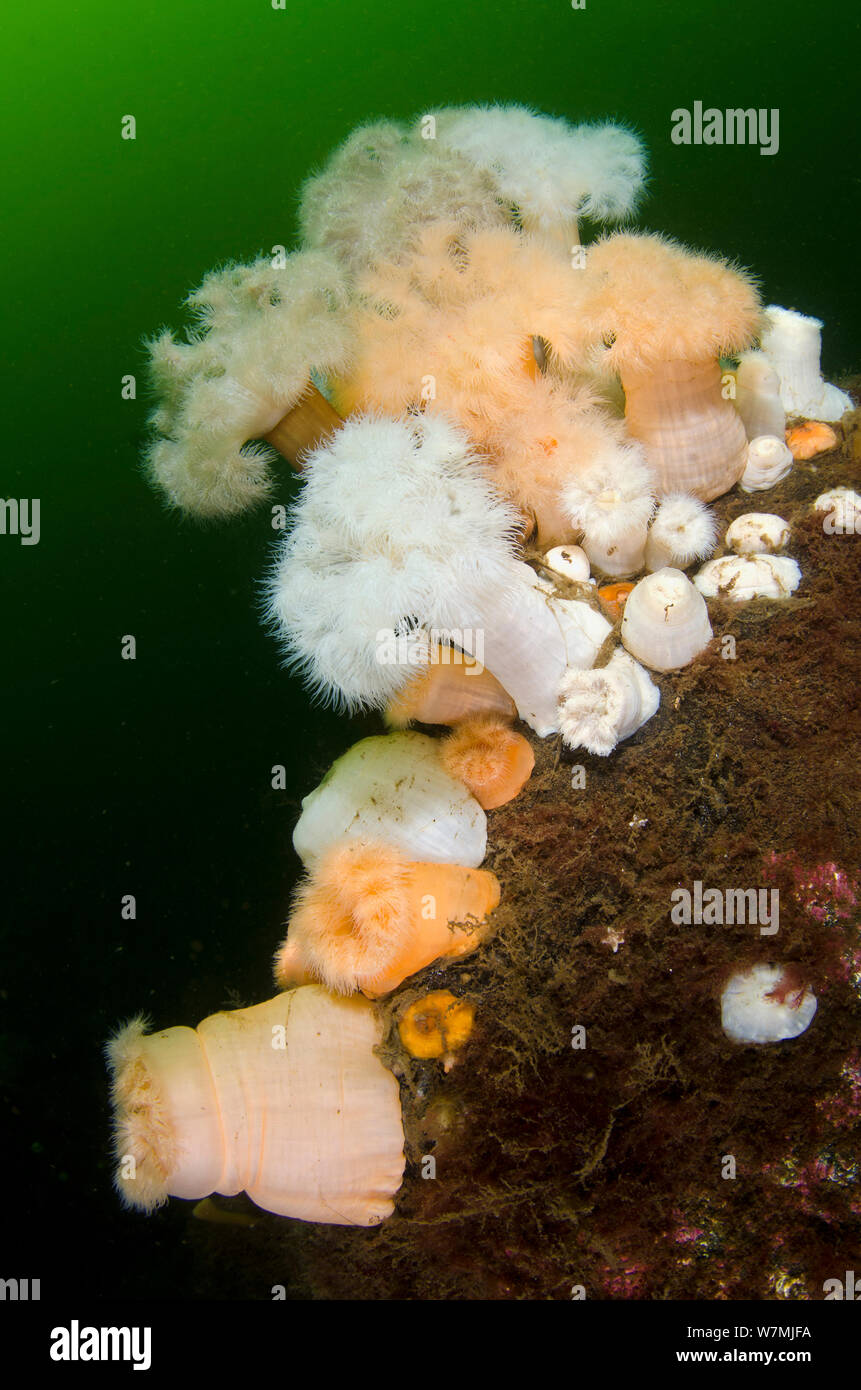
152, 777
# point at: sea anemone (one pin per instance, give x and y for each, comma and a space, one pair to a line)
347, 573
436, 1025
491, 760
613, 597
666, 315
243, 375
366, 918
454, 324
452, 687
810, 438
347, 580
768, 460
745, 577
600, 708
549, 172
286, 1101
765, 1003
393, 788
683, 530
793, 345
757, 396
383, 186
611, 501
571, 561
758, 533
452, 332
549, 440
844, 511
666, 622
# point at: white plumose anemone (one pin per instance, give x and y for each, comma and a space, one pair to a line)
262, 331
745, 577
611, 501
759, 1005
398, 527
768, 460
793, 345
552, 173
392, 789
571, 561
665, 623
530, 639
600, 708
844, 511
383, 186
758, 533
757, 396
683, 530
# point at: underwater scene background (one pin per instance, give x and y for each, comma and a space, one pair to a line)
152, 777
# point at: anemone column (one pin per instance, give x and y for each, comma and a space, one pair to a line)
694, 439
286, 1101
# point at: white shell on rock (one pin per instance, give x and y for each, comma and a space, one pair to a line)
757, 533
844, 508
665, 623
744, 577
768, 460
394, 790
600, 708
756, 1007
570, 561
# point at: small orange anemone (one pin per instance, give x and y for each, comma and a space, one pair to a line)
436, 1026
810, 438
613, 598
453, 687
490, 759
367, 917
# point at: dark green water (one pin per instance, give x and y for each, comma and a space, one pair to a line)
152, 777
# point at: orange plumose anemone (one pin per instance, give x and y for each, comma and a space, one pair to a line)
665, 316
454, 331
613, 598
366, 918
436, 1026
810, 438
493, 761
452, 687
286, 1101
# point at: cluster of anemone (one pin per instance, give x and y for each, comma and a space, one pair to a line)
453, 331
452, 381
399, 528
